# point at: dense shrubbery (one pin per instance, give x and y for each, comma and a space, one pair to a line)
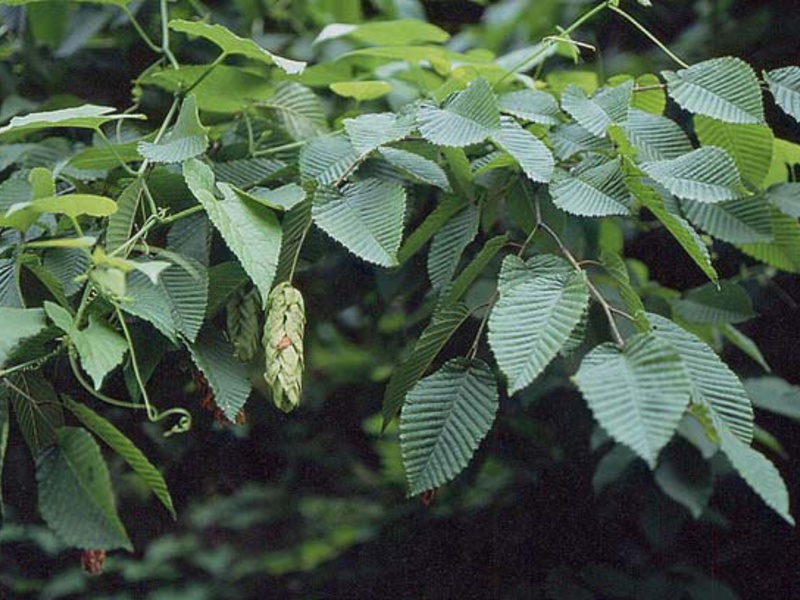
462, 229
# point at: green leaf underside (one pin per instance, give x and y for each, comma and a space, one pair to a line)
88, 116
230, 43
786, 198
469, 117
596, 114
638, 394
680, 229
745, 344
366, 217
361, 90
444, 419
750, 145
726, 303
684, 476
250, 230
531, 154
326, 159
722, 88
298, 110
447, 207
100, 349
431, 341
186, 140
714, 385
399, 32
759, 473
784, 250
571, 138
226, 375
775, 395
707, 174
448, 245
118, 442
176, 305
540, 304
371, 131
531, 105
295, 227
598, 191
742, 221
417, 167
616, 268
785, 86
655, 137
75, 497
121, 223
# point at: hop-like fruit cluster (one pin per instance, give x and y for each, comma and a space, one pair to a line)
283, 343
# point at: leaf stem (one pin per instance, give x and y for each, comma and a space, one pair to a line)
277, 149
206, 73
142, 33
113, 150
181, 215
165, 36
31, 364
649, 35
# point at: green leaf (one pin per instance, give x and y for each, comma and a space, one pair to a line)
618, 271
713, 384
4, 423
448, 245
284, 198
371, 131
37, 408
16, 325
176, 304
120, 3
103, 158
246, 172
783, 252
416, 167
100, 349
118, 442
655, 137
230, 43
682, 231
750, 145
786, 198
298, 110
721, 88
570, 139
226, 375
401, 32
296, 224
430, 343
745, 344
637, 394
444, 419
75, 205
366, 217
710, 303
461, 284
684, 476
608, 106
361, 90
446, 208
328, 158
541, 302
75, 497
185, 140
250, 230
759, 473
66, 265
707, 174
775, 395
531, 154
785, 86
531, 105
469, 117
60, 316
745, 220
596, 191
224, 89
88, 116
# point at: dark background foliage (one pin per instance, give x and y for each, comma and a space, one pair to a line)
312, 505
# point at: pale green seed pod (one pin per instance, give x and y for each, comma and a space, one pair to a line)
283, 343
